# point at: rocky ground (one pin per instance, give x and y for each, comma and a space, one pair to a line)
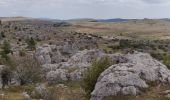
64, 58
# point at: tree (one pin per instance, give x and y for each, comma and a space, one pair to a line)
5, 76
28, 69
31, 44
2, 34
6, 49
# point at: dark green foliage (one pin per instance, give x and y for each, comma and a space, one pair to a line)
22, 52
15, 28
165, 58
2, 35
91, 75
123, 44
6, 49
163, 47
31, 44
5, 76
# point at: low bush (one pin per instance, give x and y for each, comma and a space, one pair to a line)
29, 70
91, 75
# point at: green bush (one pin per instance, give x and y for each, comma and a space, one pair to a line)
6, 49
31, 44
22, 52
91, 75
165, 58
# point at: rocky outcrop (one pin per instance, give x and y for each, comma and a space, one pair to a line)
80, 61
50, 67
130, 77
43, 54
83, 58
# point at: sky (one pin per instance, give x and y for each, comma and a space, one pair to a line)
98, 9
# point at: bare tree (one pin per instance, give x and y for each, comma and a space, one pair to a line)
27, 69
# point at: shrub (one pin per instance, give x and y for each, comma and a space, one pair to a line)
2, 35
31, 43
165, 58
6, 49
22, 52
5, 76
124, 44
28, 70
91, 75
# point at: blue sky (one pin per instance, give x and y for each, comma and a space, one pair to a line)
68, 9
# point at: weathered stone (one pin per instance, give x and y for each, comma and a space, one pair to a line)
130, 90
129, 77
57, 76
43, 54
50, 67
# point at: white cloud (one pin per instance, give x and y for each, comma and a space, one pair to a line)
86, 8
156, 1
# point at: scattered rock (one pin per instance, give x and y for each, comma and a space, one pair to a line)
41, 90
166, 92
75, 75
50, 67
25, 95
57, 76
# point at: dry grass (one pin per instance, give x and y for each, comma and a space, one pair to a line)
142, 29
72, 91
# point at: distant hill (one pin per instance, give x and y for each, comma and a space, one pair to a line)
166, 19
7, 19
82, 20
113, 20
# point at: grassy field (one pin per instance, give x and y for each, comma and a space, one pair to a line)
140, 29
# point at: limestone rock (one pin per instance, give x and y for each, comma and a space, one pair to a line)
128, 78
43, 54
83, 58
57, 76
50, 67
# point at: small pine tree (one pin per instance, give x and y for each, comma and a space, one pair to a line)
31, 44
6, 49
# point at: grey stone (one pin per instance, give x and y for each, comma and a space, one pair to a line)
57, 76
129, 77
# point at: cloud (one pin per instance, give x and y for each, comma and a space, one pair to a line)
85, 8
155, 1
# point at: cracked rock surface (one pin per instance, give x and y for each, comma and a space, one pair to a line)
130, 77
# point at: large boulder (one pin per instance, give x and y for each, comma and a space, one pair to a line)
130, 77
